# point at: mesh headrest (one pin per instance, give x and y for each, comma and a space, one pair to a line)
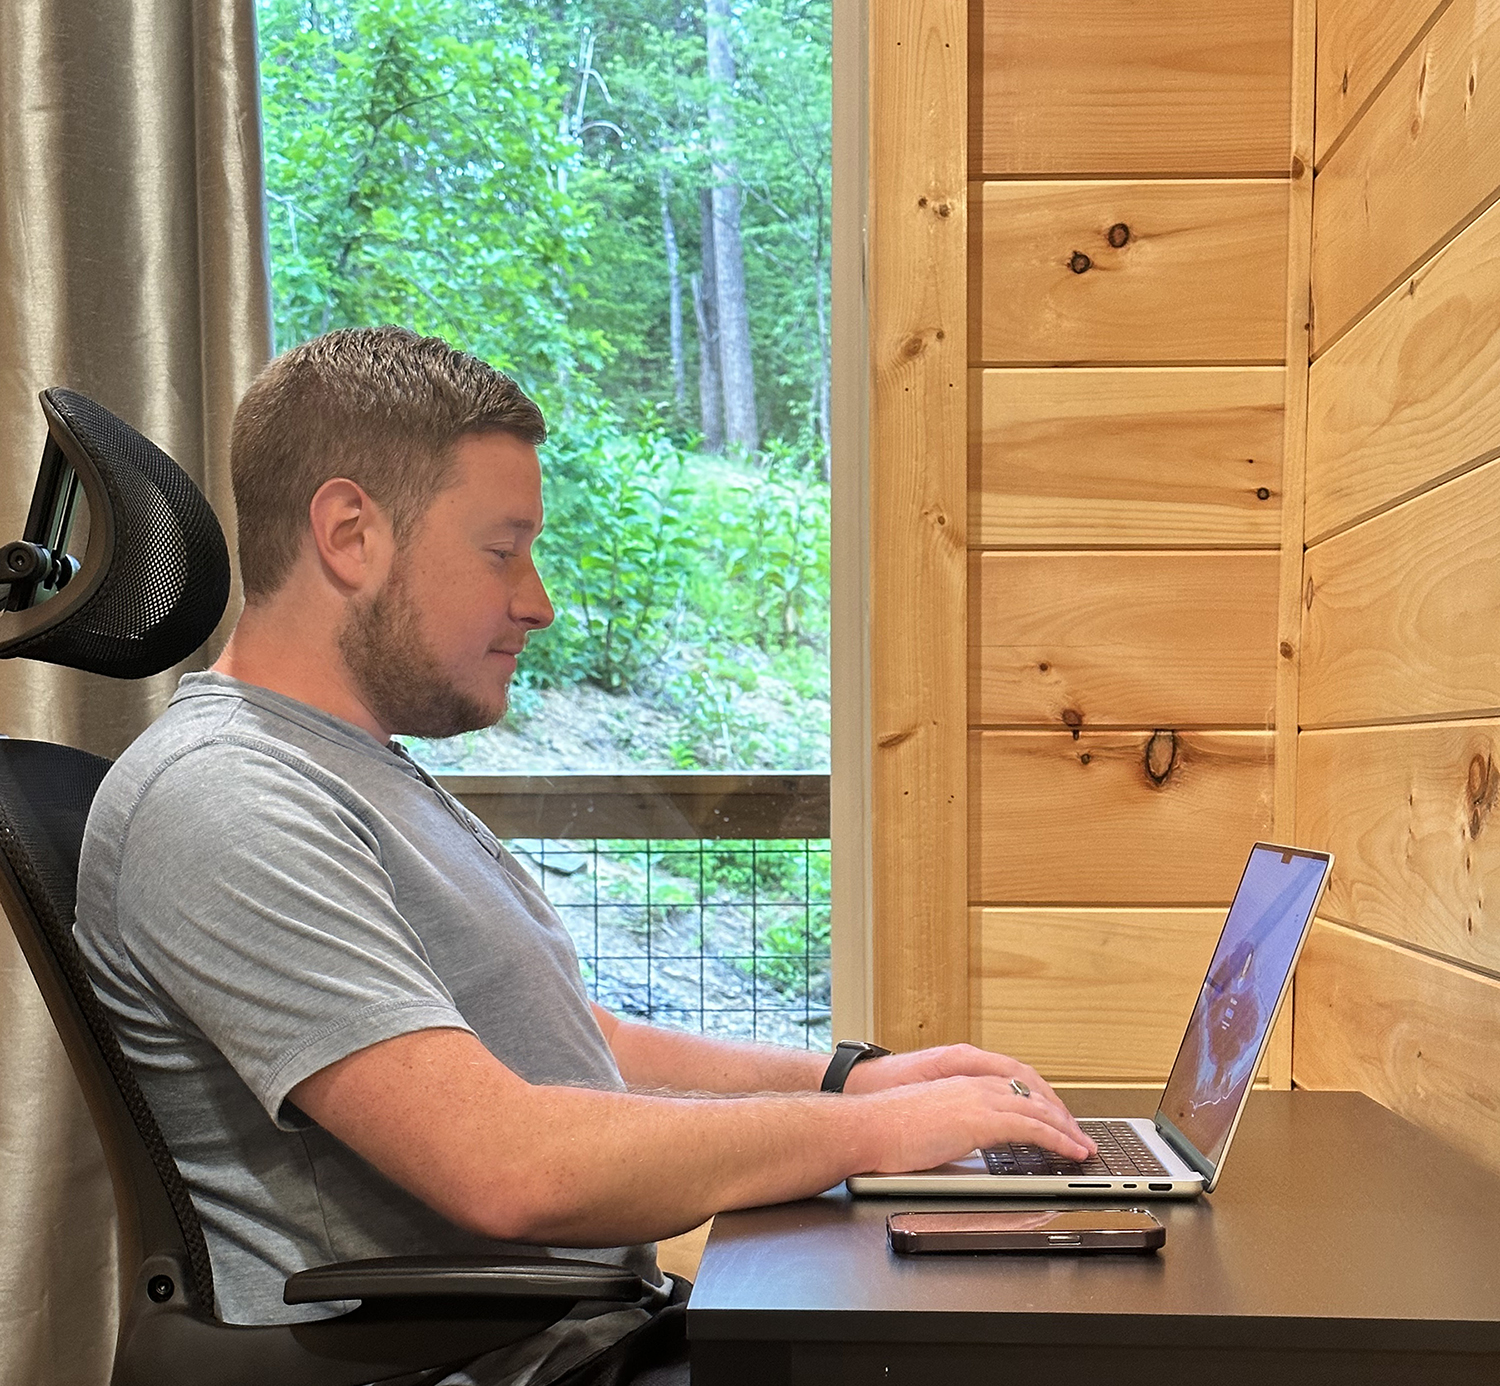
162, 579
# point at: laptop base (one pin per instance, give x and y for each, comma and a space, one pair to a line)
970, 1178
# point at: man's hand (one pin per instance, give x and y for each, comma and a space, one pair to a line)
967, 1061
920, 1125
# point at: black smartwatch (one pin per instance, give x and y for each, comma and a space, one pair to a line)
846, 1054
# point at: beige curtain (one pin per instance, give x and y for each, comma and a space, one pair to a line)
132, 268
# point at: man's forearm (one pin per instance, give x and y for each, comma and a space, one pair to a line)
656, 1166
439, 1114
657, 1060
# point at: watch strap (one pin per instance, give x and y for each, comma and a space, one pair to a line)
846, 1054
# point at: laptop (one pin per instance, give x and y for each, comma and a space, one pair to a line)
1180, 1152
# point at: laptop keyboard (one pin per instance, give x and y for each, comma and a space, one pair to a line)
1121, 1151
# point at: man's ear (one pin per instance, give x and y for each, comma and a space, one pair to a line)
352, 534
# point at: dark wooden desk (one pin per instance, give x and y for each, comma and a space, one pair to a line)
1343, 1245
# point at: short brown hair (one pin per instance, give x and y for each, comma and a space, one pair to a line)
379, 405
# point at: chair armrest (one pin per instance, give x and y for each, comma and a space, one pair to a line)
511, 1277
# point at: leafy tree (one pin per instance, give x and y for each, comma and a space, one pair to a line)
413, 163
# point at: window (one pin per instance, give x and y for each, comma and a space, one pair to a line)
627, 207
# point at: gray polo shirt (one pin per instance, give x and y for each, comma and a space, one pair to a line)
265, 889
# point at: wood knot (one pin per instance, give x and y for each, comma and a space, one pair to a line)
1118, 235
1080, 263
921, 202
1161, 756
1072, 717
914, 346
1344, 85
1286, 649
944, 209
1307, 596
1482, 790
893, 739
1084, 758
1262, 493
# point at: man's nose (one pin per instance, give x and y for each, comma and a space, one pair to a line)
533, 607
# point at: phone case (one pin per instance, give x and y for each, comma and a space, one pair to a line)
1108, 1229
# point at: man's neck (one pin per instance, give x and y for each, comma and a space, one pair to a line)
275, 648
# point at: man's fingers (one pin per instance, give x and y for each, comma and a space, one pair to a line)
982, 1062
1044, 1103
1038, 1131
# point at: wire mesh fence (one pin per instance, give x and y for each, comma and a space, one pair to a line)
729, 937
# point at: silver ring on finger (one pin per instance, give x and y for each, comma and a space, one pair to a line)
1019, 1088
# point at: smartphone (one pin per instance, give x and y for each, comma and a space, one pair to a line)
1066, 1230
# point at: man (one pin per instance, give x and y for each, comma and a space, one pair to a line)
361, 1026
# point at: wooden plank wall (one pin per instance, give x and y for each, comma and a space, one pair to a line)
916, 255
1399, 989
1132, 187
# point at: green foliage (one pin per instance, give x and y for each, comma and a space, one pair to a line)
616, 555
789, 939
414, 161
783, 885
715, 730
779, 553
496, 172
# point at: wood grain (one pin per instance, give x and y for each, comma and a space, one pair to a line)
1085, 821
1298, 349
918, 463
1416, 1034
1151, 87
1422, 160
1409, 814
1201, 275
1412, 392
1145, 456
1087, 995
1402, 616
1359, 42
1123, 639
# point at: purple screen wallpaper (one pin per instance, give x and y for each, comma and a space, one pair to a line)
1234, 1008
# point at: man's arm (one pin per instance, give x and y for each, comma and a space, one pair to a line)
654, 1059
436, 1112
679, 1061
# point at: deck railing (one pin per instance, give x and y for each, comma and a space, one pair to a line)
695, 901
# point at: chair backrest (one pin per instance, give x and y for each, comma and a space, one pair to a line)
45, 793
149, 591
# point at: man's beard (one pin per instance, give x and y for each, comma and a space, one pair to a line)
396, 673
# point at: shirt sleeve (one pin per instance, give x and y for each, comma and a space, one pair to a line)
253, 901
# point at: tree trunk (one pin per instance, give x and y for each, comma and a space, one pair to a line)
705, 309
674, 292
735, 363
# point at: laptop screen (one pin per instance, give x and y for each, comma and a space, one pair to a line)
1238, 1000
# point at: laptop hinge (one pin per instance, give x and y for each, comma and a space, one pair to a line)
1185, 1149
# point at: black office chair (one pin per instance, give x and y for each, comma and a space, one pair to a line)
149, 590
